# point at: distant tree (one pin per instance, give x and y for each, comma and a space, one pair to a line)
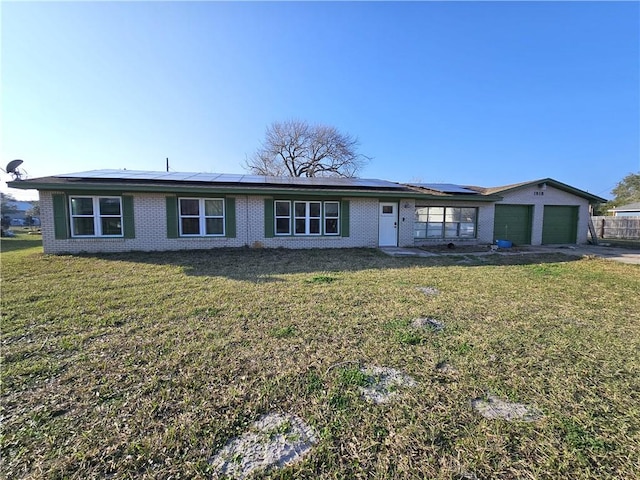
296, 149
7, 204
34, 211
627, 190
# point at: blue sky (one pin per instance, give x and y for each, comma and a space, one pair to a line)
483, 93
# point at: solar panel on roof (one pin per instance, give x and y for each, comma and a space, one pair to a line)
339, 182
254, 179
175, 176
445, 188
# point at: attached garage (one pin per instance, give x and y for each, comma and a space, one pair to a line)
559, 224
513, 223
542, 212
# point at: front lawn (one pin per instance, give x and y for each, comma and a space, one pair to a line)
146, 365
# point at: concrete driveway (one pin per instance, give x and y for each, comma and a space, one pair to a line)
623, 255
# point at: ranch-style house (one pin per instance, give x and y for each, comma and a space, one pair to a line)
127, 210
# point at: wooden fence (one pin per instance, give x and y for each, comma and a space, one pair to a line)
627, 228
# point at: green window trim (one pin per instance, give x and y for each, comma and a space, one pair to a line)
344, 218
270, 218
62, 215
172, 217
230, 217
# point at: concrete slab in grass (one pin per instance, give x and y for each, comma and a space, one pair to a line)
274, 441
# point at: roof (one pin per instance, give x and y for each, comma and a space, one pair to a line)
190, 182
544, 181
629, 207
185, 182
445, 188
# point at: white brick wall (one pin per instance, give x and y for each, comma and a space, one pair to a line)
361, 231
406, 215
151, 225
484, 223
151, 229
524, 196
551, 196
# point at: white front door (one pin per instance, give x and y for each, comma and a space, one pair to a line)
388, 225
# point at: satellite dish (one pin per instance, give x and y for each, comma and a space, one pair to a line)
12, 168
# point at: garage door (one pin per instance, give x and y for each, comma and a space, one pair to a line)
560, 224
513, 222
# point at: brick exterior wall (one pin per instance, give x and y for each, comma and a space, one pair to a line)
484, 232
363, 232
406, 214
524, 196
550, 196
151, 224
151, 229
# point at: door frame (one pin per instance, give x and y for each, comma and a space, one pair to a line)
385, 222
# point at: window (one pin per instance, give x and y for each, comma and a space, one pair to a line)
445, 222
283, 217
306, 217
331, 216
201, 216
96, 216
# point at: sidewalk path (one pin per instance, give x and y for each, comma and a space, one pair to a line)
623, 255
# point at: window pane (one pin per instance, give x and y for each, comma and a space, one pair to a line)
314, 225
436, 214
387, 209
300, 225
300, 209
314, 209
283, 209
434, 230
111, 226
283, 226
81, 206
215, 226
451, 230
420, 230
422, 214
190, 226
83, 226
331, 209
189, 206
468, 214
109, 206
468, 230
453, 215
331, 226
214, 208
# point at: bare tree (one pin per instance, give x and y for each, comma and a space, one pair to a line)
296, 149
